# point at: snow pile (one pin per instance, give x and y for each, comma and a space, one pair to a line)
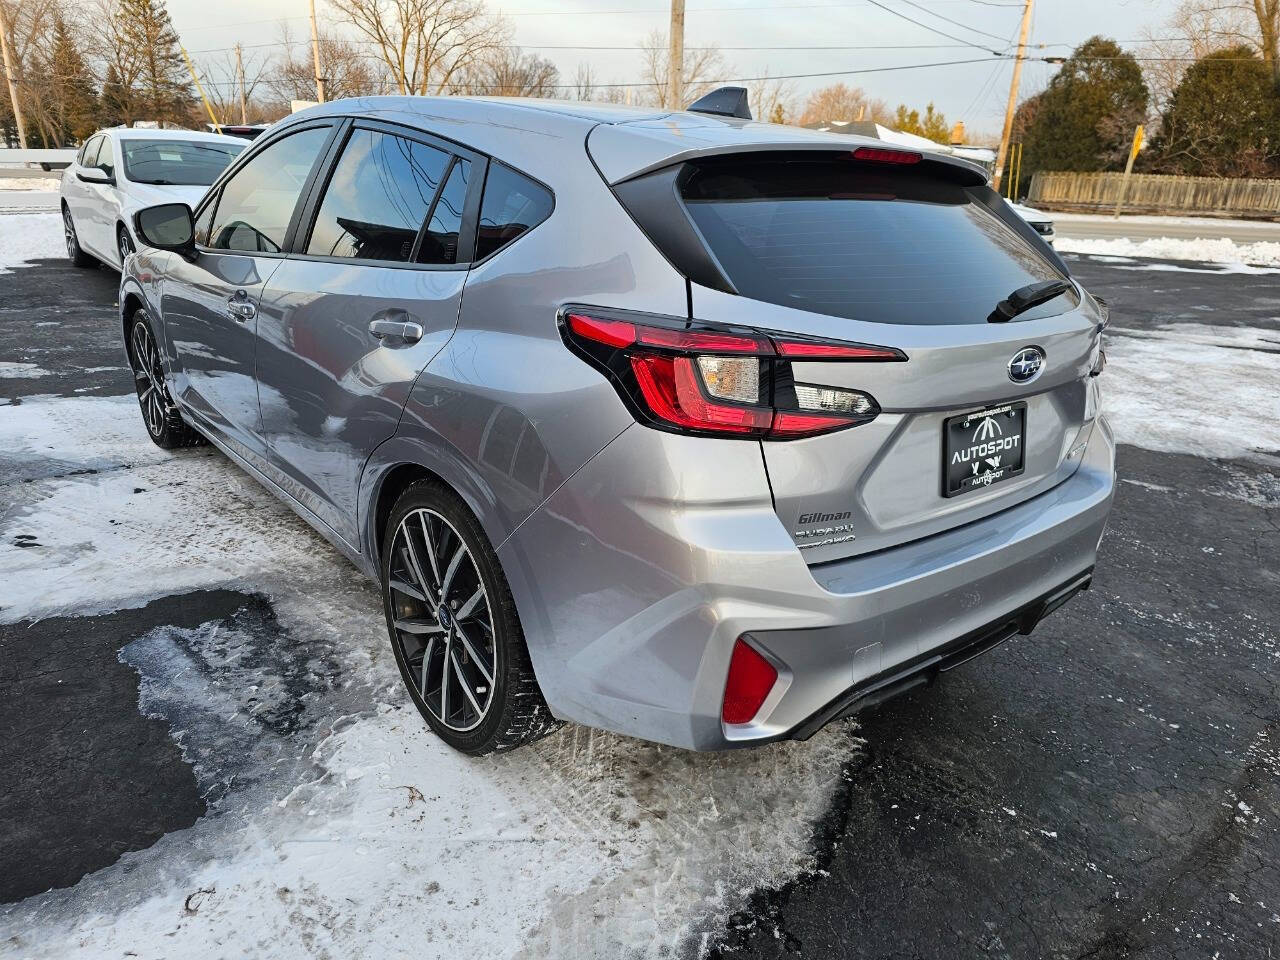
338, 825
15, 370
44, 184
30, 236
1244, 257
1194, 388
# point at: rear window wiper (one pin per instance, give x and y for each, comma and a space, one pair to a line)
1024, 298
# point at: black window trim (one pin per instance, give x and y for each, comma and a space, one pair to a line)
455, 152
213, 197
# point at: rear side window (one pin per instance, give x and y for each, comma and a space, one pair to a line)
377, 198
513, 204
257, 202
851, 240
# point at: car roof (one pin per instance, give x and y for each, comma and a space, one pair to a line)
144, 133
623, 141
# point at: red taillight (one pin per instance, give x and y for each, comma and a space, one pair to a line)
750, 679
880, 155
727, 382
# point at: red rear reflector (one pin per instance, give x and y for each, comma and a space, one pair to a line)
804, 349
750, 679
880, 155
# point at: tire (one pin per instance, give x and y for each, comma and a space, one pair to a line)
75, 253
160, 414
474, 649
124, 244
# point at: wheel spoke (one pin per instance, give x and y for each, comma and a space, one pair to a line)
408, 589
474, 654
466, 687
444, 678
471, 603
453, 568
431, 548
426, 659
416, 566
418, 626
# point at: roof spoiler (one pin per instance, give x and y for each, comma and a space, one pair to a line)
724, 102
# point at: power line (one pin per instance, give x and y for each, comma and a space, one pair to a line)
957, 23
949, 36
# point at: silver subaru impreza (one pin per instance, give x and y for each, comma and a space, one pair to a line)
675, 424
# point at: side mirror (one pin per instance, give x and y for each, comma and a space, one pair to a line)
167, 226
95, 175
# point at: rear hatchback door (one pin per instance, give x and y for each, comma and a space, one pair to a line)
913, 255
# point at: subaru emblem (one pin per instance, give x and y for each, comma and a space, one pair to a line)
1026, 365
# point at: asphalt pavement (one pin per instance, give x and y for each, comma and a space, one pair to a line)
1106, 787
1104, 227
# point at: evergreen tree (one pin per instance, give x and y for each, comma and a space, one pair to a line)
164, 85
114, 105
1223, 119
73, 102
933, 125
1084, 120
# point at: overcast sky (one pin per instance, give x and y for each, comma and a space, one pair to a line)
975, 92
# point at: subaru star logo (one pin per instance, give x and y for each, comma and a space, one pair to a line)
1026, 365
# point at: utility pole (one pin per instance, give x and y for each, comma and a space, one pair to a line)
8, 75
244, 112
315, 53
196, 80
1013, 96
675, 58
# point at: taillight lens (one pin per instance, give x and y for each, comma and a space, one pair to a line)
728, 382
750, 679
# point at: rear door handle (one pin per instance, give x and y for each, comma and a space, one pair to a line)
241, 309
406, 330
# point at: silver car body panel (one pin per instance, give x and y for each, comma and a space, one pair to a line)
637, 557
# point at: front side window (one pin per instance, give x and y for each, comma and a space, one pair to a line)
173, 162
377, 198
258, 201
89, 152
513, 204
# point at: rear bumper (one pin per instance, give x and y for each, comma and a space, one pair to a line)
634, 582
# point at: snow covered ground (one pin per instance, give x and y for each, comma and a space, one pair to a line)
1260, 257
29, 236
46, 184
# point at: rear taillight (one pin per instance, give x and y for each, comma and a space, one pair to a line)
731, 382
750, 679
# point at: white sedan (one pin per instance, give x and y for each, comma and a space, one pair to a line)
1040, 222
121, 170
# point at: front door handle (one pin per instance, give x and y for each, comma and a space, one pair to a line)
407, 331
240, 308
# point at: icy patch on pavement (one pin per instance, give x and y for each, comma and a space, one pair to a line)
1204, 392
1260, 257
338, 825
30, 236
12, 371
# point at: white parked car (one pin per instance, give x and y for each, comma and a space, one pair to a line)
1040, 222
121, 170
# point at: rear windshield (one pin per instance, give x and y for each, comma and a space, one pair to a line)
842, 238
190, 163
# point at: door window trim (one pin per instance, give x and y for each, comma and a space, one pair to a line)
214, 195
467, 229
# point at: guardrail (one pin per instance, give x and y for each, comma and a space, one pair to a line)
1156, 193
36, 156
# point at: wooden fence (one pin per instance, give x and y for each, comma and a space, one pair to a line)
1152, 193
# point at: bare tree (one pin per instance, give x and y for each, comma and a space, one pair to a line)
771, 100
221, 83
348, 70
842, 102
30, 24
704, 68
426, 44
583, 85
506, 72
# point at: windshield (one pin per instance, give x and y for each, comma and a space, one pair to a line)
176, 162
853, 240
